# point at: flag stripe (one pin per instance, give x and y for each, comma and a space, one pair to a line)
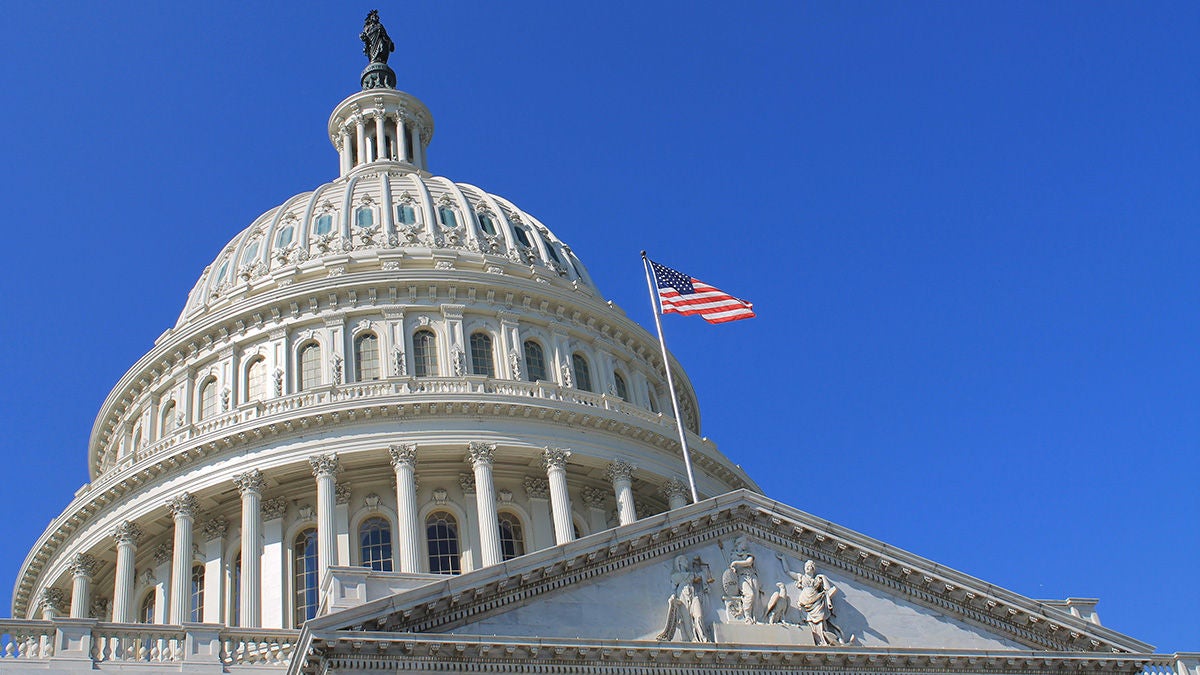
679, 293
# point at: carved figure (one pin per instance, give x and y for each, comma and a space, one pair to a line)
740, 582
777, 606
816, 601
685, 607
376, 43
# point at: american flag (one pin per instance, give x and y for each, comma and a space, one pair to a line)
683, 294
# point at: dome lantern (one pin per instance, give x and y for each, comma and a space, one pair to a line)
380, 123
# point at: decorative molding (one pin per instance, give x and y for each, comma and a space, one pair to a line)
537, 488
674, 488
82, 565
215, 528
182, 506
127, 532
325, 465
504, 496
479, 452
250, 481
161, 553
52, 599
555, 458
341, 493
403, 454
466, 482
619, 469
440, 495
305, 512
274, 508
371, 502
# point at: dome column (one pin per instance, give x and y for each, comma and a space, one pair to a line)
250, 485
402, 139
380, 137
127, 534
324, 469
677, 494
343, 147
481, 456
360, 138
183, 510
82, 567
620, 473
404, 463
560, 500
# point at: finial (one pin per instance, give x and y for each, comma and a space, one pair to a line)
377, 46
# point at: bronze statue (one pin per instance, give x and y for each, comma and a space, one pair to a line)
376, 43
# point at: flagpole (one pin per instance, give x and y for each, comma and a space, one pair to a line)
687, 459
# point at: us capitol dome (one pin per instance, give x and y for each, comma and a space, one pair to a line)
392, 370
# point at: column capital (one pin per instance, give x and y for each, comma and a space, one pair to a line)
215, 528
183, 506
273, 508
403, 454
466, 482
341, 493
593, 497
250, 481
325, 465
537, 488
127, 532
555, 458
481, 453
674, 488
162, 553
82, 565
52, 598
619, 470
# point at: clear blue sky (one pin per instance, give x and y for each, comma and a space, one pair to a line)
970, 230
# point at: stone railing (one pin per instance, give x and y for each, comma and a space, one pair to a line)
86, 644
387, 392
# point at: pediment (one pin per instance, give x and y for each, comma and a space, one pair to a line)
620, 585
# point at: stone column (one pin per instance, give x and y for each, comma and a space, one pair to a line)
325, 468
82, 567
51, 601
481, 456
250, 484
677, 494
360, 137
341, 519
620, 473
214, 578
404, 463
183, 509
469, 531
273, 579
127, 534
555, 460
343, 150
414, 144
540, 531
593, 498
401, 139
380, 137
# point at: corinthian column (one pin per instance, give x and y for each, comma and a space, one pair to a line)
325, 468
183, 510
676, 493
480, 456
404, 462
620, 473
560, 501
127, 534
250, 485
82, 567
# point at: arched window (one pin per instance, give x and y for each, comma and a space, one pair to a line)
622, 390
653, 401
256, 380
583, 375
425, 354
167, 418
481, 355
136, 441
146, 610
197, 587
366, 357
441, 531
208, 398
512, 535
535, 361
375, 544
235, 592
304, 569
310, 366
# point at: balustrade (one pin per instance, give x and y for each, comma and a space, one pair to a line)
26, 639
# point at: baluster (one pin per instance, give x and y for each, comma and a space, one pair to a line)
8, 648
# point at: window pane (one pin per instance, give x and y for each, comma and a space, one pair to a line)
235, 592
375, 544
146, 612
251, 253
197, 593
424, 354
441, 531
583, 376
481, 355
622, 390
406, 215
486, 224
522, 237
256, 380
535, 362
285, 237
310, 367
325, 223
168, 419
364, 217
304, 557
447, 216
208, 399
366, 357
512, 538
